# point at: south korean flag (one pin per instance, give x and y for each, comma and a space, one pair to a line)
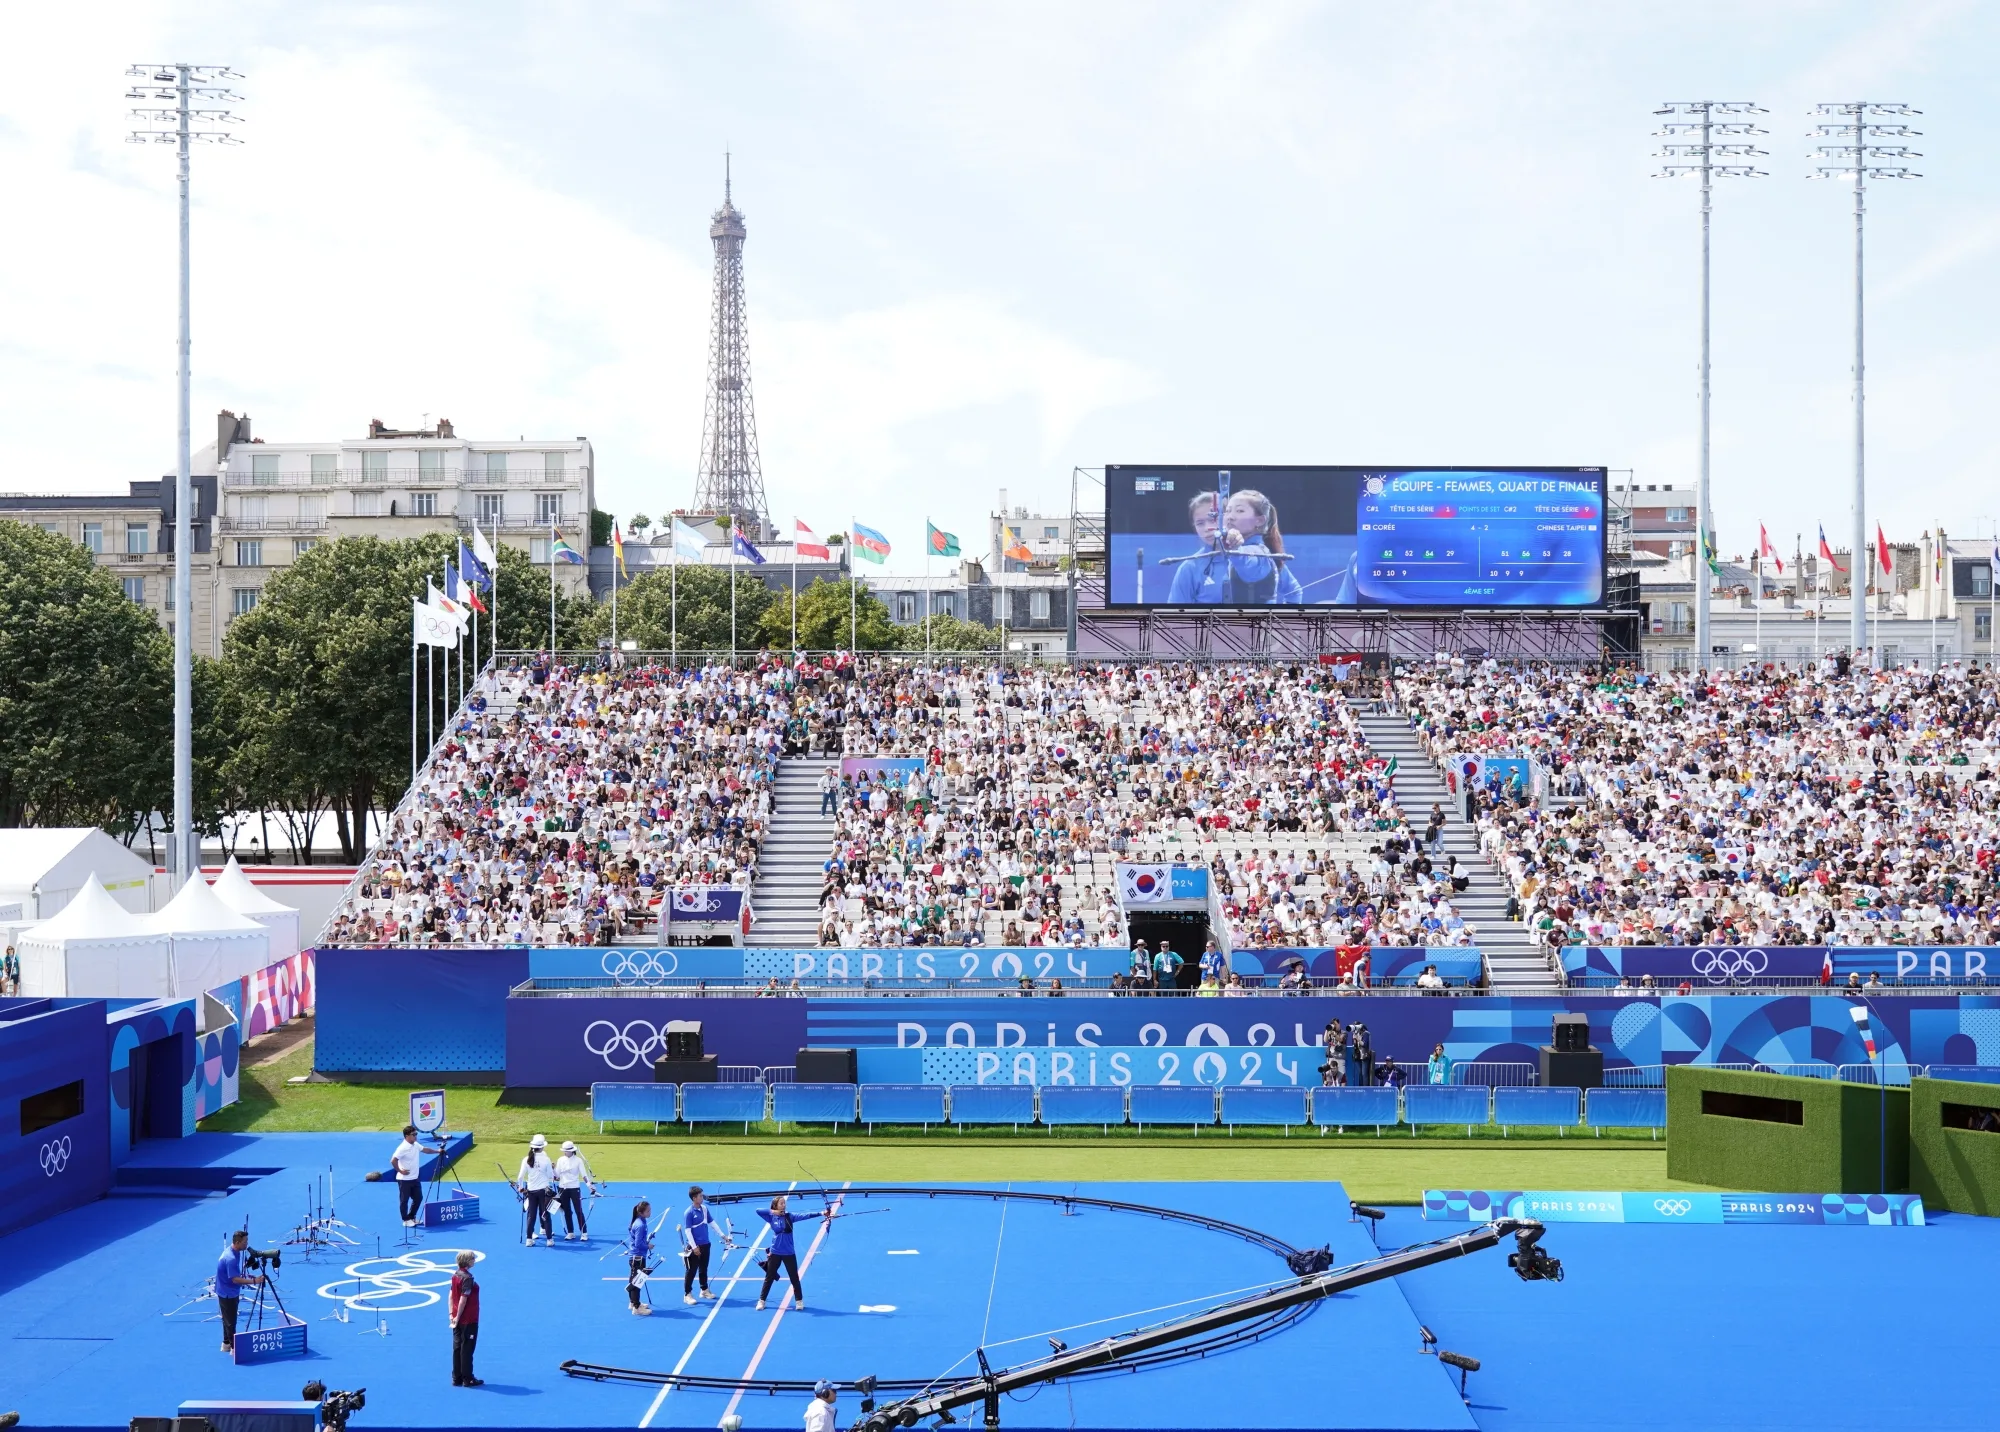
1142, 884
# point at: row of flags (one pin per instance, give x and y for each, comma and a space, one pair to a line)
443, 617
1884, 558
866, 543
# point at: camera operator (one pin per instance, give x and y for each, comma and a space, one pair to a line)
407, 1162
232, 1275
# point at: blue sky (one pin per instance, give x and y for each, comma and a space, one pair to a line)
992, 243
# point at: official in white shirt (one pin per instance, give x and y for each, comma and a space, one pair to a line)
407, 1163
819, 1412
536, 1185
572, 1173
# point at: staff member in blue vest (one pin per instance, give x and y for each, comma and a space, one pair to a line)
696, 1224
784, 1253
231, 1279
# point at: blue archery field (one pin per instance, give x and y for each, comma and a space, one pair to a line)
1656, 1327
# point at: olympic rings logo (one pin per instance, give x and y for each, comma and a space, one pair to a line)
55, 1156
640, 967
1673, 1207
623, 1049
397, 1285
1729, 966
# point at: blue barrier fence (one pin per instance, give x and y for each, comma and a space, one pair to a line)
1051, 1105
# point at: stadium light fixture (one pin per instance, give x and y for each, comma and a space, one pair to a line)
1856, 144
1706, 139
187, 108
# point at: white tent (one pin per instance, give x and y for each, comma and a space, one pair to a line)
281, 921
210, 943
95, 949
42, 869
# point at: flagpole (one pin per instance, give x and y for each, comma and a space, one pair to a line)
493, 581
554, 537
853, 599
674, 599
1757, 603
413, 695
614, 605
927, 602
732, 599
795, 586
430, 701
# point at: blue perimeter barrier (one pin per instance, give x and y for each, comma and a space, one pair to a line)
638, 1103
1626, 1109
1082, 1104
992, 1104
1169, 1104
902, 1104
1339, 1107
1536, 1106
1284, 1108
722, 1104
813, 1103
1969, 1073
1466, 1104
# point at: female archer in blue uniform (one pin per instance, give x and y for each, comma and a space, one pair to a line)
784, 1253
1246, 564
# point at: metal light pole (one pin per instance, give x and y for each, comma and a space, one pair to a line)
1708, 145
1853, 148
195, 117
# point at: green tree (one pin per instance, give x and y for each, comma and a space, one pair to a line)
639, 525
600, 528
647, 610
522, 606
940, 631
86, 691
826, 622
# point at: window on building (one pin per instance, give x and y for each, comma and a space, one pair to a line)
1051, 534
93, 538
945, 604
430, 460
1002, 607
552, 463
325, 468
250, 553
135, 590
168, 600
492, 506
138, 539
367, 504
548, 505
423, 504
303, 545
241, 600
264, 469
496, 467
1680, 514
1982, 581
538, 549
1038, 606
906, 606
375, 464
252, 511
1982, 624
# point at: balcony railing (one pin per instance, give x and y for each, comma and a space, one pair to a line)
273, 524
235, 479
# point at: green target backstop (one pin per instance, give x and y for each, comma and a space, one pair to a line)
1775, 1133
1955, 1145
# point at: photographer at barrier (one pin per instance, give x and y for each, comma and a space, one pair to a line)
232, 1275
407, 1163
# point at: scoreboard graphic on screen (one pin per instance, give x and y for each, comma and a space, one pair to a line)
1435, 537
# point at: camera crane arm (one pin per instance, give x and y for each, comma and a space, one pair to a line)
1529, 1261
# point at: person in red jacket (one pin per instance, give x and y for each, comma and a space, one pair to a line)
464, 1322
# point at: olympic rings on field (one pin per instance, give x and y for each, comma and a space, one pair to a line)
401, 1284
623, 1049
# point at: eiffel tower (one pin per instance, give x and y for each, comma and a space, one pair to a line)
730, 478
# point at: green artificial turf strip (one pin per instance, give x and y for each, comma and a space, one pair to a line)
1394, 1168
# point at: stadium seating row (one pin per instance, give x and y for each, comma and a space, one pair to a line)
1139, 1104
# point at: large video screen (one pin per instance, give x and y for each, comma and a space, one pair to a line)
1355, 536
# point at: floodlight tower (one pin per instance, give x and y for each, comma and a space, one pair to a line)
1710, 144
194, 96
1854, 145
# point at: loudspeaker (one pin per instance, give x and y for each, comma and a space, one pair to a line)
1572, 1068
703, 1070
827, 1066
1571, 1033
683, 1039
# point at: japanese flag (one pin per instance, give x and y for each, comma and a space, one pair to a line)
1142, 884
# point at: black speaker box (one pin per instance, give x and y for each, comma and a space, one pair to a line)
1572, 1068
827, 1066
687, 1071
683, 1039
1571, 1033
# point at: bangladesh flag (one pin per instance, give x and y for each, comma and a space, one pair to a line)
940, 542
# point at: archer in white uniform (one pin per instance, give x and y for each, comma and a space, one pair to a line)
572, 1173
537, 1185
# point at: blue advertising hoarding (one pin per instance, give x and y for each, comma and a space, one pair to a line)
1843, 1210
1711, 966
1183, 536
